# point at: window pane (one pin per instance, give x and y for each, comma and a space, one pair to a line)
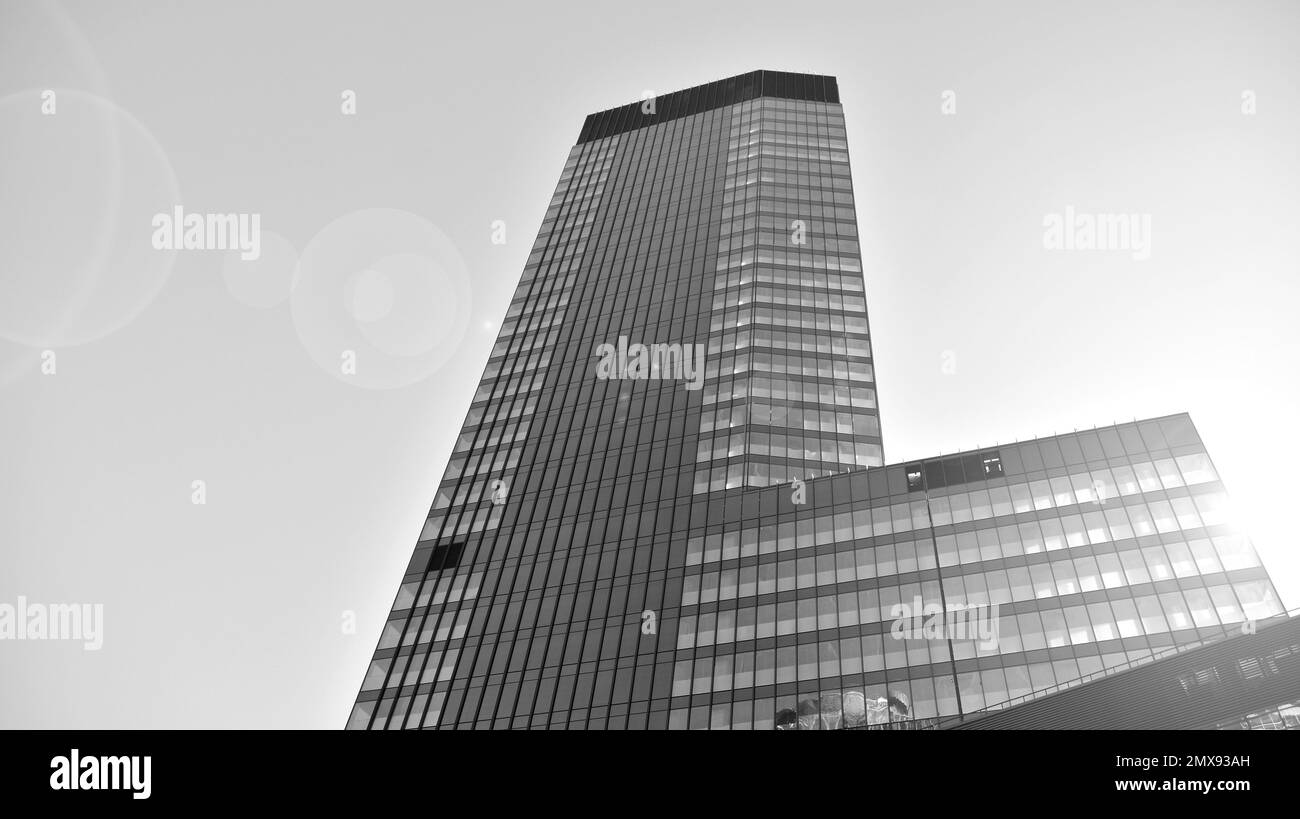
1258, 599
1126, 617
1196, 468
1198, 600
1103, 621
1176, 611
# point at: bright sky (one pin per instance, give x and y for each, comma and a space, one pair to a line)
316, 489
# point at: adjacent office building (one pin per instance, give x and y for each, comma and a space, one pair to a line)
1243, 681
668, 506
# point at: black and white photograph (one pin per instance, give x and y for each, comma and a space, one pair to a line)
893, 369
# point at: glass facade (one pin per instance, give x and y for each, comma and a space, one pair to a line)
1243, 676
667, 506
1098, 549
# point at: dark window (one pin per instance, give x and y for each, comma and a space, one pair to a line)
445, 556
973, 468
952, 473
934, 478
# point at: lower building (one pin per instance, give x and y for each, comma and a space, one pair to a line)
899, 596
1247, 680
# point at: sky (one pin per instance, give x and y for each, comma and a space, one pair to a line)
129, 373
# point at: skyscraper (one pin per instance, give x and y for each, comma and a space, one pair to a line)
662, 509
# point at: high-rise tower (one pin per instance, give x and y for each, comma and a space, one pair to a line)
712, 225
660, 512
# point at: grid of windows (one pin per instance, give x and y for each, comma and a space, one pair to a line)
563, 488
1099, 549
622, 552
791, 390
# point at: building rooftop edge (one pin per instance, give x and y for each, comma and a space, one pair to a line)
706, 97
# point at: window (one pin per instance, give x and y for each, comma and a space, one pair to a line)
1196, 468
744, 670
1126, 617
828, 658
992, 465
1147, 478
1021, 588
826, 570
1168, 472
765, 667
745, 624
1002, 503
1076, 621
1125, 480
1134, 567
1075, 533
1042, 494
686, 632
1213, 508
691, 590
1088, 573
722, 673
1103, 621
748, 581
1235, 552
1054, 630
1044, 585
1112, 575
872, 653
1118, 522
1207, 560
1198, 600
730, 583
705, 632
1157, 563
1180, 558
785, 664
906, 555
726, 627
885, 563
1153, 618
807, 662
807, 572
869, 606
767, 620
848, 608
785, 622
844, 567
1258, 599
1062, 492
1163, 514
1018, 684
1176, 611
1008, 634
1185, 512
1021, 500
999, 587
1225, 603
971, 690
1066, 581
1031, 631
826, 612
915, 482
682, 678
785, 575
